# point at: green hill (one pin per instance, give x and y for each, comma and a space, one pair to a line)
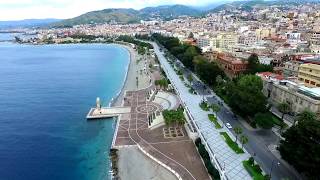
103, 16
169, 11
125, 16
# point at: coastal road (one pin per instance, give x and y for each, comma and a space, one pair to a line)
258, 139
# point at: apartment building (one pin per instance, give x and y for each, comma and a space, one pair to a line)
231, 65
225, 41
298, 96
309, 74
291, 68
315, 42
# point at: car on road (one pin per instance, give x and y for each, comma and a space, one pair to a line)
228, 125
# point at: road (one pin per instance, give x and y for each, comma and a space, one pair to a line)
259, 140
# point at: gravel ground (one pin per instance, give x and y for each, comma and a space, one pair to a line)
134, 165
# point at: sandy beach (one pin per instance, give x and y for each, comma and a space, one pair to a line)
132, 163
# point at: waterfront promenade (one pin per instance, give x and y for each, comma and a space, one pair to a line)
227, 161
175, 158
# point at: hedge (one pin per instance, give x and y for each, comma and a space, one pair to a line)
214, 173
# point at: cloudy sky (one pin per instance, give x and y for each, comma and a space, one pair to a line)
26, 9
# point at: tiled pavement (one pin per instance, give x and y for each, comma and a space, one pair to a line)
178, 153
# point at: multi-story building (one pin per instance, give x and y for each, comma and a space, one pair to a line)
225, 41
298, 96
309, 74
203, 42
231, 65
291, 68
247, 38
315, 42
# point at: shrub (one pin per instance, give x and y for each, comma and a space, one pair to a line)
204, 106
197, 142
253, 124
203, 152
252, 170
257, 168
214, 173
213, 119
251, 161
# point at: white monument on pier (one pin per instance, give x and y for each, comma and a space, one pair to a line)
98, 103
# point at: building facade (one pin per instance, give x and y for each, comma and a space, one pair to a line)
309, 74
298, 96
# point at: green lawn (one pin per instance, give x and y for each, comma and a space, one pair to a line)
234, 146
277, 121
213, 119
253, 172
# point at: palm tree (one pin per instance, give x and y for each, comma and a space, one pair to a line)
284, 108
238, 131
215, 108
244, 140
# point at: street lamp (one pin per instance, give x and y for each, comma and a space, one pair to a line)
278, 163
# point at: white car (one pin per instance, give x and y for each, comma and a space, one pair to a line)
228, 125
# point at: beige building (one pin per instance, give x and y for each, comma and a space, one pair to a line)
224, 41
262, 33
309, 74
298, 96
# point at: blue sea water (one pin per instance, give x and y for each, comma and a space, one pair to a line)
45, 94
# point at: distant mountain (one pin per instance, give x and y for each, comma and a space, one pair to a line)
27, 23
103, 16
123, 16
169, 11
249, 5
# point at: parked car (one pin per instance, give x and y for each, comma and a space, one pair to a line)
228, 125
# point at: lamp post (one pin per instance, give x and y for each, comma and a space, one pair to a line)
278, 163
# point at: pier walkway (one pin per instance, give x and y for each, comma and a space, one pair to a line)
106, 112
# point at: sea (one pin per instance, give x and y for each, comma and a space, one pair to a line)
46, 92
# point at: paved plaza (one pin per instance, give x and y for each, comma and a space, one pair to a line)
178, 153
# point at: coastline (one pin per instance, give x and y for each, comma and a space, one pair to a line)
116, 101
131, 163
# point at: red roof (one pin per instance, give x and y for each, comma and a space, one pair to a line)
271, 75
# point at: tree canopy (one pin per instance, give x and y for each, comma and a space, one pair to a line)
301, 146
184, 52
246, 97
284, 108
207, 71
264, 120
255, 66
173, 116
